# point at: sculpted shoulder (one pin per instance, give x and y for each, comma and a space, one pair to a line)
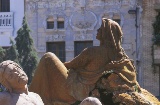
95, 49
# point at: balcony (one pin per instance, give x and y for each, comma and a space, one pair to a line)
6, 20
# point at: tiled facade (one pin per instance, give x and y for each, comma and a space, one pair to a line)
75, 12
82, 18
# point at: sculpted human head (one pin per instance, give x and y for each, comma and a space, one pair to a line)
91, 101
109, 31
110, 36
12, 75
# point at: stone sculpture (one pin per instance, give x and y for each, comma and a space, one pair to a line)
14, 79
65, 83
90, 101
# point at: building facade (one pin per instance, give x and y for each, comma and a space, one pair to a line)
149, 80
66, 27
11, 15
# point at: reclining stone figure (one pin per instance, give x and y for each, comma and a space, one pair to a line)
14, 79
65, 83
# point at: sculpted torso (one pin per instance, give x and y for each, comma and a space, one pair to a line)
20, 99
65, 83
88, 64
91, 59
74, 80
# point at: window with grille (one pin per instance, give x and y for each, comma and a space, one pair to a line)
60, 23
79, 46
50, 23
58, 48
4, 5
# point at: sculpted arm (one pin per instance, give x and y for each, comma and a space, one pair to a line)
78, 62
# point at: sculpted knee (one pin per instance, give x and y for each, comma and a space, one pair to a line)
48, 56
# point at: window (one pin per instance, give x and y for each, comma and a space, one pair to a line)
79, 46
50, 23
54, 23
60, 23
58, 48
4, 5
117, 20
116, 17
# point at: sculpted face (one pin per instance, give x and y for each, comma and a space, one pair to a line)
99, 34
15, 76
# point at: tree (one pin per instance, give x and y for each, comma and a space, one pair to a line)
28, 58
12, 53
2, 54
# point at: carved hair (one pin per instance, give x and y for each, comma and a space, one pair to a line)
90, 101
3, 67
111, 38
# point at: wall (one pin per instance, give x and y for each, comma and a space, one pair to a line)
17, 7
150, 80
17, 11
72, 10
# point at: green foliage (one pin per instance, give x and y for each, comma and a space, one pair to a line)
28, 58
2, 54
156, 32
12, 53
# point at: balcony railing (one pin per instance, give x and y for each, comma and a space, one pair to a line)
6, 20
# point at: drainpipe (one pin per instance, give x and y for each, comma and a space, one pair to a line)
134, 11
137, 38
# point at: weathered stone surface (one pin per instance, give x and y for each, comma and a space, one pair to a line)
14, 79
100, 70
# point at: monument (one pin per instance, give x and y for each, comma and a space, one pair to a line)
14, 79
104, 71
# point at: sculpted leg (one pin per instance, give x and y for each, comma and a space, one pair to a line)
49, 80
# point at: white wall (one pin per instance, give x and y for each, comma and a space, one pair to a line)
17, 7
